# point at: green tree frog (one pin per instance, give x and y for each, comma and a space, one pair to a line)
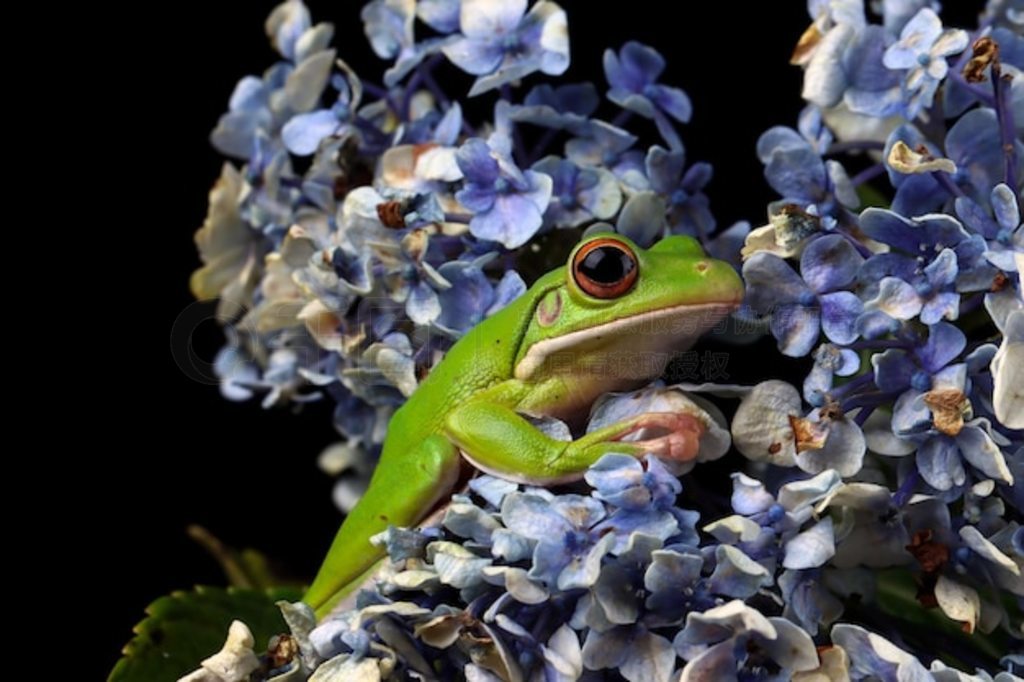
609, 320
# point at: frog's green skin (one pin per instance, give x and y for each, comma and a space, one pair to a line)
551, 352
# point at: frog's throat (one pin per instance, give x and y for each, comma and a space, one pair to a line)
699, 319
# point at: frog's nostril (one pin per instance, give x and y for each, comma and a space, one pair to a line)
702, 266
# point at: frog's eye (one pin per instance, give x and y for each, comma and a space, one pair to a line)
605, 268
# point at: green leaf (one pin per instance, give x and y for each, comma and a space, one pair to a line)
183, 628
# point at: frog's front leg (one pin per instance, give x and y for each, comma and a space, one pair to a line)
497, 439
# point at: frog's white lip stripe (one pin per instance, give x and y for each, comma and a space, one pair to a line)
540, 351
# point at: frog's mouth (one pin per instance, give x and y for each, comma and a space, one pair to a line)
662, 332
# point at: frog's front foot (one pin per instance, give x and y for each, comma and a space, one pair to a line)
672, 435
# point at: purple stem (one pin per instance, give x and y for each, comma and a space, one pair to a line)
863, 415
463, 218
417, 78
946, 182
854, 146
1004, 112
622, 118
376, 90
853, 385
868, 174
902, 495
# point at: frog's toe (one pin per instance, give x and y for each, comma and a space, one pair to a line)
672, 435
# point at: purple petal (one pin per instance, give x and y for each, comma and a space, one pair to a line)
829, 263
839, 313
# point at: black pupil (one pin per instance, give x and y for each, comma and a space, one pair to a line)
607, 265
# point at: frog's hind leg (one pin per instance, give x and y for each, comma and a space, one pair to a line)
405, 487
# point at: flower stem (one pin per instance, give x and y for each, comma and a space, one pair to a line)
868, 174
1004, 112
946, 182
853, 385
463, 218
902, 495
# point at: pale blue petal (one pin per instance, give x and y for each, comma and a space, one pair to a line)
811, 548
938, 462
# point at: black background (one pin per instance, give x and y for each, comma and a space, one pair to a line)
169, 449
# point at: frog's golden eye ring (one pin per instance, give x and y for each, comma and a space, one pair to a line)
605, 268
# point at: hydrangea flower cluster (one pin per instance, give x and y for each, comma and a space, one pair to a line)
371, 225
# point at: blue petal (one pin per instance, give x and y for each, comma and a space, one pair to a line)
938, 462
749, 495
777, 137
839, 313
829, 263
910, 416
302, 134
640, 63
477, 57
642, 219
919, 194
811, 548
974, 144
673, 102
508, 289
476, 162
796, 328
796, 173
440, 15
945, 342
531, 516
890, 228
771, 282
945, 305
1005, 206
736, 574
895, 298
664, 169
893, 369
